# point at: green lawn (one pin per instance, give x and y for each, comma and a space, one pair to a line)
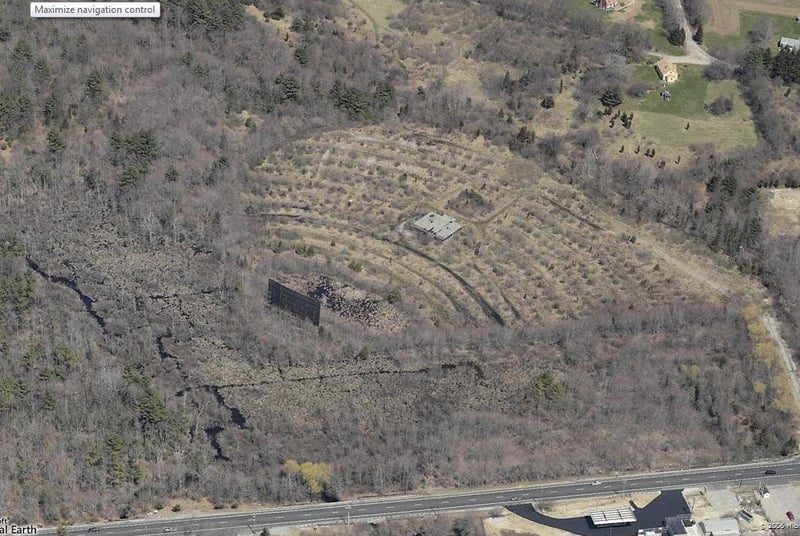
781, 27
665, 122
688, 93
670, 131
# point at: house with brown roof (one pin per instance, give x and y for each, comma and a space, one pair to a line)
666, 71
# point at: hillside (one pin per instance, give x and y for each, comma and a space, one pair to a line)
155, 174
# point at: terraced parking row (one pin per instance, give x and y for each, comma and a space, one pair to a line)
537, 250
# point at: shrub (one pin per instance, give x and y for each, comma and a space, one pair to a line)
394, 296
720, 105
304, 250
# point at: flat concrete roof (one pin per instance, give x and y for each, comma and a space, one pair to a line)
441, 226
721, 527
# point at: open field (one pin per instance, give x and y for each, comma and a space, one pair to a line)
781, 26
532, 249
731, 22
670, 131
783, 212
726, 15
378, 12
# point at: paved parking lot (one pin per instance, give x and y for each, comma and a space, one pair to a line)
782, 499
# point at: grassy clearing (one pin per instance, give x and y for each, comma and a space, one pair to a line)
631, 10
782, 26
378, 12
783, 212
670, 130
716, 41
466, 73
729, 88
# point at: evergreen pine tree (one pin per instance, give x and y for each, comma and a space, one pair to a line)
698, 35
611, 98
677, 37
55, 142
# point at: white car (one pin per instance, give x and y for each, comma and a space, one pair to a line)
596, 483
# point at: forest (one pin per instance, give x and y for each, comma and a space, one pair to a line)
140, 364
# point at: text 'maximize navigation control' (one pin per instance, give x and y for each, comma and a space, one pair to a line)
97, 10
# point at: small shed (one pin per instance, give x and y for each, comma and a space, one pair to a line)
667, 71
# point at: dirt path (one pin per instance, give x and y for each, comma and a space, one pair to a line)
322, 163
688, 59
695, 54
714, 282
791, 368
699, 274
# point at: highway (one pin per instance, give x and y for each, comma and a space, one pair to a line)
247, 523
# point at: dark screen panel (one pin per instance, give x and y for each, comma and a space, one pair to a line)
293, 301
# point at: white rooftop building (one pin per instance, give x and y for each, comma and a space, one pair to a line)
608, 518
788, 42
721, 527
441, 226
